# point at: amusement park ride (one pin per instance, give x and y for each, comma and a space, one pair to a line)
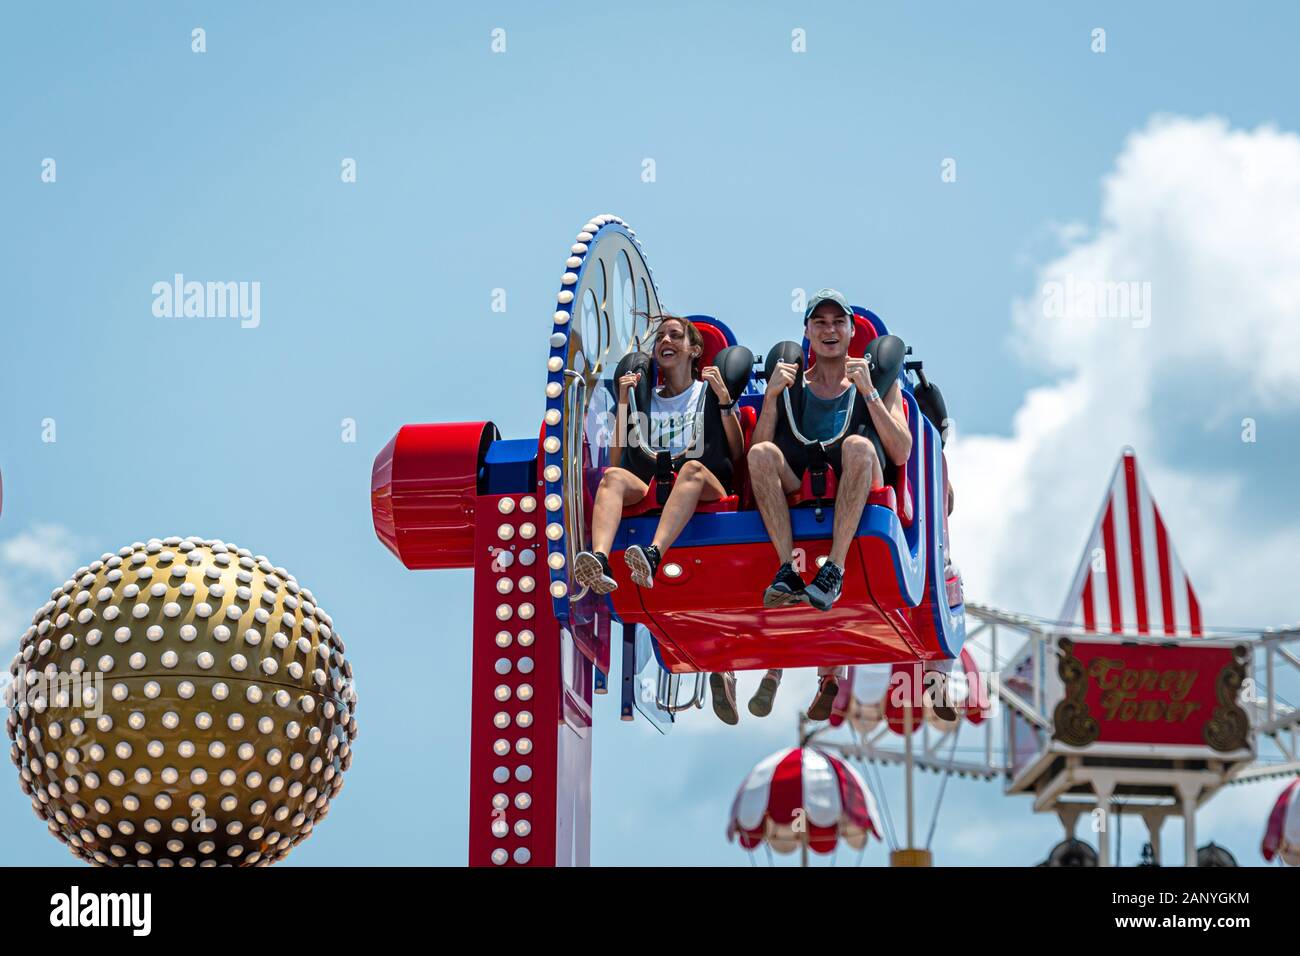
1127, 704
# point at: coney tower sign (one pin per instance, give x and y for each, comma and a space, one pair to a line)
1128, 703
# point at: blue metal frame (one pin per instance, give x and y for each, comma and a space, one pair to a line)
509, 466
634, 671
949, 623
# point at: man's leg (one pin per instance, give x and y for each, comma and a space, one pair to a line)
937, 690
760, 705
859, 474
828, 687
723, 689
771, 478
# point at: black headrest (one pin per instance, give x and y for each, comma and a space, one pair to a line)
736, 363
930, 400
792, 353
886, 355
637, 362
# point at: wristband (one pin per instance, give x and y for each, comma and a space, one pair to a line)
726, 408
874, 396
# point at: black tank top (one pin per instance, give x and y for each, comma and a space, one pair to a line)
716, 456
860, 423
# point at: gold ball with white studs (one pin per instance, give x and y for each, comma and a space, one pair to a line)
181, 703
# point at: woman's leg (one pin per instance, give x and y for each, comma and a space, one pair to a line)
694, 483
760, 705
828, 685
618, 489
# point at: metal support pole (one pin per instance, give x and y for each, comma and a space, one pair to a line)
1103, 789
1036, 650
907, 718
1268, 664
1155, 819
1187, 793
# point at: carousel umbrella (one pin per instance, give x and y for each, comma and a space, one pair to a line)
878, 692
1212, 855
799, 795
1282, 836
1071, 852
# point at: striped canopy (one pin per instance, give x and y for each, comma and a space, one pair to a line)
1130, 578
1282, 836
803, 795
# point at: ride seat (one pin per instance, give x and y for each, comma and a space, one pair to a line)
714, 341
650, 504
897, 497
748, 422
740, 479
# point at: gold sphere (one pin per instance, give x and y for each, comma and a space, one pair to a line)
182, 702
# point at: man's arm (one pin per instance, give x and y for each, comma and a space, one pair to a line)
782, 378
891, 425
765, 430
886, 412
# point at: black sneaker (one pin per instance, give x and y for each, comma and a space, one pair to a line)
786, 588
592, 572
825, 588
643, 563
760, 705
827, 689
723, 687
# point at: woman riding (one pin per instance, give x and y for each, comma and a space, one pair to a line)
692, 418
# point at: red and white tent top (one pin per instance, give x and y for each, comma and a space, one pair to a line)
1282, 836
803, 795
1130, 578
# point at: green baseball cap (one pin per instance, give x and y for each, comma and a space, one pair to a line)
827, 295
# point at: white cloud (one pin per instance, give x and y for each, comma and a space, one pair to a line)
46, 549
32, 562
12, 622
1205, 220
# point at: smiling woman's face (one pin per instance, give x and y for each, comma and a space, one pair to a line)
829, 332
672, 347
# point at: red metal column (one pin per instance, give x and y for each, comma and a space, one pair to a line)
530, 714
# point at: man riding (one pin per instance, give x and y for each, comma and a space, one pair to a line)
864, 435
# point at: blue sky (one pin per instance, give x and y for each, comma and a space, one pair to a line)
775, 170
